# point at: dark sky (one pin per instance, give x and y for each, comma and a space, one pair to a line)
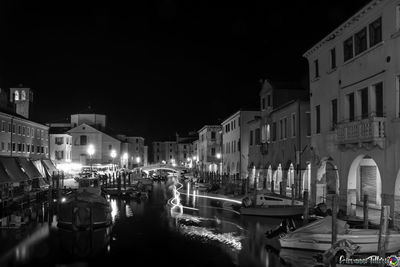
157, 67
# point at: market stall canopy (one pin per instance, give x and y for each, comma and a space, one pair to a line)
49, 167
13, 169
29, 168
4, 177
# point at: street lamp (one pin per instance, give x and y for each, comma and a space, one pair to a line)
137, 160
219, 156
90, 151
113, 155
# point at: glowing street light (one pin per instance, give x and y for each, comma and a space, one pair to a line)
137, 160
194, 157
218, 155
90, 151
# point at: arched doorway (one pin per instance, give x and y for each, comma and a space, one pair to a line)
365, 178
290, 175
327, 181
278, 177
269, 177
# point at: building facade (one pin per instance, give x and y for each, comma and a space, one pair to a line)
235, 146
85, 135
355, 110
60, 147
209, 147
133, 146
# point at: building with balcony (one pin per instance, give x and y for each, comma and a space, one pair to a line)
209, 147
235, 143
132, 151
355, 104
279, 148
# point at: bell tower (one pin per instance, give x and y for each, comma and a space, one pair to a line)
22, 98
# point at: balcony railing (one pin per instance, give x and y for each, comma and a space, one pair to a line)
368, 130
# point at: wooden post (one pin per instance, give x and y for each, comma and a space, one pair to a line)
280, 188
272, 186
306, 207
383, 230
334, 224
365, 209
255, 191
292, 194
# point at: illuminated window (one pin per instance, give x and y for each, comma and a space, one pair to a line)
23, 95
16, 95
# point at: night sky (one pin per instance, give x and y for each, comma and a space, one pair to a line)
159, 67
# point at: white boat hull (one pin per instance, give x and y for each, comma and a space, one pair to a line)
366, 239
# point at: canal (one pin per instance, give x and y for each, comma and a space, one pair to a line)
206, 232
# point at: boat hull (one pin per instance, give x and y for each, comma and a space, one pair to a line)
367, 242
278, 211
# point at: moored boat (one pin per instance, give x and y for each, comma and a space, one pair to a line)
318, 235
271, 206
86, 208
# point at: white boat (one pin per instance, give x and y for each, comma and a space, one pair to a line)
318, 235
272, 206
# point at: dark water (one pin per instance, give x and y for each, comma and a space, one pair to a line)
153, 233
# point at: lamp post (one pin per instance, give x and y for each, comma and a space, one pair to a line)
90, 151
219, 156
113, 155
138, 160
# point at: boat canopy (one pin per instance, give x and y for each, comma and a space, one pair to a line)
322, 226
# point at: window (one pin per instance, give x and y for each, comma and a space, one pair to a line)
19, 129
274, 131
13, 147
398, 17
16, 95
263, 103
379, 99
32, 132
23, 130
28, 148
316, 68
3, 146
350, 106
212, 151
23, 95
293, 125
9, 127
251, 138
234, 124
38, 134
348, 49
109, 147
333, 58
3, 126
41, 149
213, 135
19, 147
334, 113
83, 140
318, 119
13, 128
360, 41
32, 148
268, 100
285, 124
375, 32
238, 145
59, 140
137, 141
268, 130
258, 136
23, 147
364, 103
28, 130
8, 147
184, 147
